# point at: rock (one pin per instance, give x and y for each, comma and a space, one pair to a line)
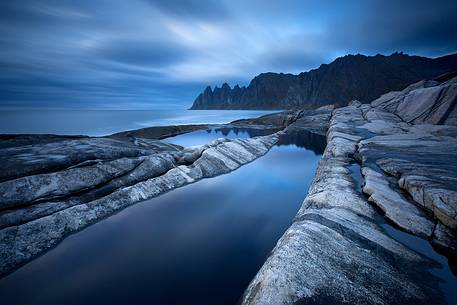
149, 167
22, 191
396, 207
445, 239
26, 240
414, 155
273, 120
316, 121
35, 158
57, 185
158, 132
335, 252
347, 78
424, 102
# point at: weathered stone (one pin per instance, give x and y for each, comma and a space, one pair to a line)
20, 243
22, 191
424, 102
396, 207
157, 132
335, 252
32, 159
444, 238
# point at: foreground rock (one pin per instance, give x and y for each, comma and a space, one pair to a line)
335, 252
100, 177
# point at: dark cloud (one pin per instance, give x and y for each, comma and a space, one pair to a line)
62, 53
412, 26
292, 60
143, 53
209, 9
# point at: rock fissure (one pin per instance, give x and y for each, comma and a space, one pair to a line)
311, 257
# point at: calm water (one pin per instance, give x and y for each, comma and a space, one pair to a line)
104, 122
199, 244
204, 136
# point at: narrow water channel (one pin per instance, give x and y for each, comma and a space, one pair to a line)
448, 280
199, 244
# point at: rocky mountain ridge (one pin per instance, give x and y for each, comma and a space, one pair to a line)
351, 77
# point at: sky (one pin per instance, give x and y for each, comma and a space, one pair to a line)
149, 54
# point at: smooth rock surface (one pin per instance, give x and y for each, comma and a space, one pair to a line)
335, 252
424, 102
26, 233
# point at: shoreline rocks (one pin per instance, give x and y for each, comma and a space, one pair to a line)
335, 252
38, 210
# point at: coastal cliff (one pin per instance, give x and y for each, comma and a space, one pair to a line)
347, 78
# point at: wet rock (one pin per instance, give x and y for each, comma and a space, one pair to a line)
335, 252
158, 132
444, 238
149, 167
32, 159
316, 121
279, 119
396, 207
22, 191
22, 242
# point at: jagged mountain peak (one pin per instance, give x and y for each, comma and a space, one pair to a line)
353, 76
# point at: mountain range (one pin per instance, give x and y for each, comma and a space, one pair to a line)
351, 77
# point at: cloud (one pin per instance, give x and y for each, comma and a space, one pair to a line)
143, 52
64, 53
416, 27
194, 9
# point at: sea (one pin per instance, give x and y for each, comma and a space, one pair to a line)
106, 122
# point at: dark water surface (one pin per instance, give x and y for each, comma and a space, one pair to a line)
199, 244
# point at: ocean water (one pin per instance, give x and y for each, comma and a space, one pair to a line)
105, 122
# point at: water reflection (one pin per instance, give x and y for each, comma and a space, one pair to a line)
199, 244
298, 138
304, 139
200, 137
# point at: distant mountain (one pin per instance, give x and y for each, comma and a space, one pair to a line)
347, 78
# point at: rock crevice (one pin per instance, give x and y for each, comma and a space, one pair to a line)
335, 250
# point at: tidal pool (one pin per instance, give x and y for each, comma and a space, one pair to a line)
200, 137
199, 244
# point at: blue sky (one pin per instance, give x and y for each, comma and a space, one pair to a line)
143, 54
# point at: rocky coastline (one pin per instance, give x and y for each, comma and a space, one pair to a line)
335, 251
